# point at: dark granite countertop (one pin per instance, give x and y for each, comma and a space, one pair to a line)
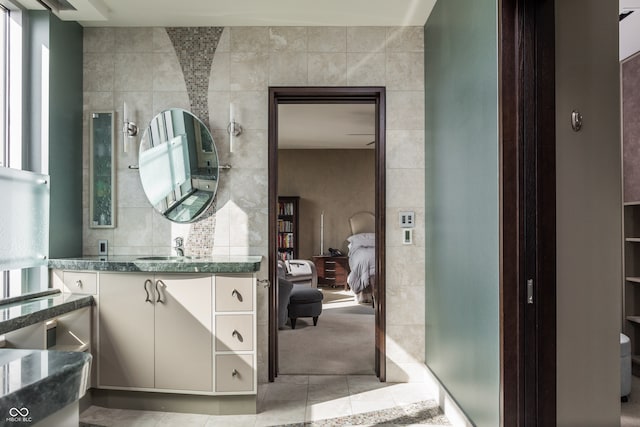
25, 313
38, 383
221, 264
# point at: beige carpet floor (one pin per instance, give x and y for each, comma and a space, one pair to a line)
341, 344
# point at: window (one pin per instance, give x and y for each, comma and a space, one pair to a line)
15, 281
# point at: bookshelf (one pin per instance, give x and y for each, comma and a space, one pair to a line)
288, 217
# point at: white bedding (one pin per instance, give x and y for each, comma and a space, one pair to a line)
362, 261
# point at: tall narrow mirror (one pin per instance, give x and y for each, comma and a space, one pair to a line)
101, 170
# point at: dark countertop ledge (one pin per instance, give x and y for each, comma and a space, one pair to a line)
222, 264
29, 312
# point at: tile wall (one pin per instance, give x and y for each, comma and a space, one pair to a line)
139, 66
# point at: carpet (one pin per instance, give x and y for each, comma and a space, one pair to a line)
341, 344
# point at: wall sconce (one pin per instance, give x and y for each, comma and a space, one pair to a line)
129, 128
234, 128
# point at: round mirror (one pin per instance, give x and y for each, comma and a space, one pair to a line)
178, 165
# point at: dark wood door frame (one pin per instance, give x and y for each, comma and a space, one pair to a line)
317, 95
528, 207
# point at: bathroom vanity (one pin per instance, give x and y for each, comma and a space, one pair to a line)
172, 333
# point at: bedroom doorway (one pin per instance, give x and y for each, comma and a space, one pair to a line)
281, 101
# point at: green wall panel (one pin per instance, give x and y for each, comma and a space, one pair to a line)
462, 184
64, 41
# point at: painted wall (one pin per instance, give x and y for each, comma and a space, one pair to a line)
338, 182
62, 43
462, 194
588, 227
139, 66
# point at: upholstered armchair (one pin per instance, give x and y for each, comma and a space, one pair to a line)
299, 272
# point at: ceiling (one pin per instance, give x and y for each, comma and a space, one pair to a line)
326, 126
192, 13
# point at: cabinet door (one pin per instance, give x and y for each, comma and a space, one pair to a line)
125, 340
184, 336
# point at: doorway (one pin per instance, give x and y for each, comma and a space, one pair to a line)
329, 95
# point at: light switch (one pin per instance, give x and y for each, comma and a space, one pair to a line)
407, 219
102, 247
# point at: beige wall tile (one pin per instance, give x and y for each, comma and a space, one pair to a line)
405, 71
248, 70
405, 187
366, 39
405, 149
251, 109
249, 39
405, 39
248, 188
134, 40
161, 41
405, 306
97, 101
327, 69
132, 71
98, 72
288, 39
405, 110
166, 100
167, 73
327, 39
406, 344
219, 110
366, 69
129, 190
250, 150
287, 69
219, 80
98, 40
133, 227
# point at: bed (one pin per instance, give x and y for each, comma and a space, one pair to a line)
362, 256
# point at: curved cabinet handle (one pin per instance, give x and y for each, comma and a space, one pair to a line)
146, 291
237, 295
79, 283
237, 335
235, 373
158, 291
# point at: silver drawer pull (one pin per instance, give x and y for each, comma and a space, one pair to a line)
237, 335
235, 373
146, 291
236, 294
79, 283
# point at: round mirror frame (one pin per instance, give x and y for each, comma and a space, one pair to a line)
178, 165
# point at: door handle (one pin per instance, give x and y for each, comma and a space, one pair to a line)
158, 291
146, 291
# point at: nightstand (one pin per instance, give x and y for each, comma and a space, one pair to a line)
332, 270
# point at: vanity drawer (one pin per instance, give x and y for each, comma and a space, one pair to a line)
234, 332
234, 372
80, 282
234, 293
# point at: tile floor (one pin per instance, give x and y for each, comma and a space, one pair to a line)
313, 400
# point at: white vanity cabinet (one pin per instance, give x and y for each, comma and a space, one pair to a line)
155, 331
176, 332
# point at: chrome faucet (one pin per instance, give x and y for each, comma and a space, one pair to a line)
178, 247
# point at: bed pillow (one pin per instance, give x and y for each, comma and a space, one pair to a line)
362, 239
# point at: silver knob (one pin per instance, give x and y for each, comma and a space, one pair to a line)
235, 373
79, 283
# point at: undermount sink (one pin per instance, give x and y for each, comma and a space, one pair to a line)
166, 258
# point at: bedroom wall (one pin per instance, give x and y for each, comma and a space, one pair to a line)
462, 292
338, 182
139, 66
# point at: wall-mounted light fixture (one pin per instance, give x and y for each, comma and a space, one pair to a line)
234, 128
129, 128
